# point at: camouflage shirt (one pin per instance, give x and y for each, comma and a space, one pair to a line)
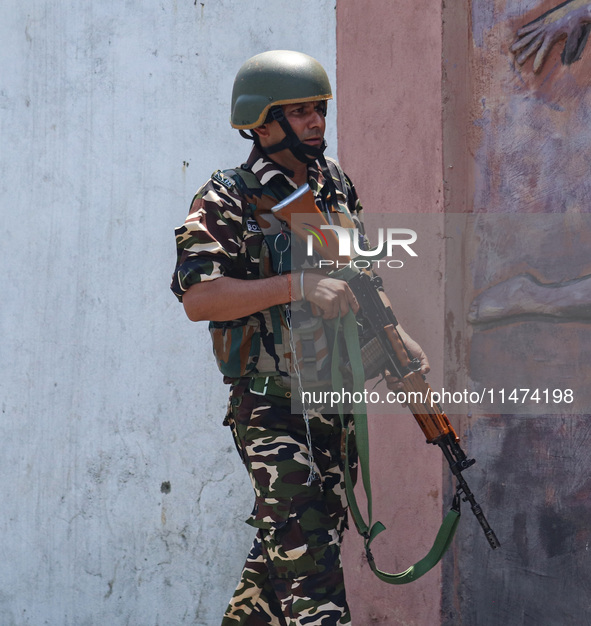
221, 237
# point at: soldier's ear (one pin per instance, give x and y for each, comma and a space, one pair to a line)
262, 131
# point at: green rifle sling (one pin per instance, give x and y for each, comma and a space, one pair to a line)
370, 530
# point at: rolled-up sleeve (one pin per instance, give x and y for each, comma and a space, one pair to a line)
210, 240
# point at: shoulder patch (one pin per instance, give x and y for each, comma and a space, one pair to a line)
252, 226
221, 178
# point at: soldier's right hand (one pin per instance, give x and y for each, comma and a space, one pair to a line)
330, 296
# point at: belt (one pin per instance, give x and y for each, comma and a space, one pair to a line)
266, 386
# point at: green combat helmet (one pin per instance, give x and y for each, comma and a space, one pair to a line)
269, 80
274, 78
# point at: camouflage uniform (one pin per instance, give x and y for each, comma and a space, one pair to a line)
293, 574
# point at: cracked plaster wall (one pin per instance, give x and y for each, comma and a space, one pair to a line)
123, 498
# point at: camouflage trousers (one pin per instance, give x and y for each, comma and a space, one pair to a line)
293, 574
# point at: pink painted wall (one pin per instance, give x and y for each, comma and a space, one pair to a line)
390, 143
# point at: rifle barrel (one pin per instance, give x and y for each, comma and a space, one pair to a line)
457, 466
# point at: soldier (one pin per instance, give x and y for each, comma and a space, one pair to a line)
230, 274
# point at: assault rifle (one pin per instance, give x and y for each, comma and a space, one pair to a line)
385, 349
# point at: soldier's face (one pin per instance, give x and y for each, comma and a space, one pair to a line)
308, 123
306, 119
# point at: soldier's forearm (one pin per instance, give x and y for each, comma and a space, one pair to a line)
225, 298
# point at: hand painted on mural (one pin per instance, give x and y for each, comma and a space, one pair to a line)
525, 296
570, 20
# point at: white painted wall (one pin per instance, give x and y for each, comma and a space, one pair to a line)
111, 115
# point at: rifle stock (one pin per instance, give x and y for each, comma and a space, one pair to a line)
301, 202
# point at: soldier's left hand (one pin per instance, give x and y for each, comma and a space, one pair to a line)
393, 382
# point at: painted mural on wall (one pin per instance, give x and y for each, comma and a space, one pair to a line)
529, 320
524, 296
570, 20
527, 311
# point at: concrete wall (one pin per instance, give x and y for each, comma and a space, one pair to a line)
123, 498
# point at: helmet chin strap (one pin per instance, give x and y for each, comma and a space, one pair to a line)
302, 152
